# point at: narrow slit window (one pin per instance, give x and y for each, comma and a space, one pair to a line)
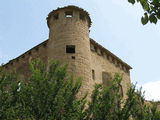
69, 14
56, 16
70, 49
93, 74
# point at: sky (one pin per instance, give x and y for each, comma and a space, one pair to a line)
116, 24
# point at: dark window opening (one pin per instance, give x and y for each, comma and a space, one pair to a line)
56, 16
93, 75
82, 16
70, 49
69, 14
73, 57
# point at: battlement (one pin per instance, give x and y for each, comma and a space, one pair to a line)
33, 52
68, 13
106, 54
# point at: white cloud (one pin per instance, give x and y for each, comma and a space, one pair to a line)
152, 90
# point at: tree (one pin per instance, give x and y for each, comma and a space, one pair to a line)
151, 8
51, 94
107, 103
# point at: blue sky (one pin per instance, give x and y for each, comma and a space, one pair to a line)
116, 25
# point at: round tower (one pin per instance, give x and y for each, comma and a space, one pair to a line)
69, 41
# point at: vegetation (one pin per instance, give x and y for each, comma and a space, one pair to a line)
45, 96
51, 94
151, 8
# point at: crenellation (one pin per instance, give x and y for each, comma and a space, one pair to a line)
108, 56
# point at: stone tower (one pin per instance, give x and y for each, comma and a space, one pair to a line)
69, 41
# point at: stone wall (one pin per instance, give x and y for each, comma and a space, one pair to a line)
21, 63
101, 63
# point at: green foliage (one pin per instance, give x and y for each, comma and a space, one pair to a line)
107, 103
48, 94
151, 8
51, 94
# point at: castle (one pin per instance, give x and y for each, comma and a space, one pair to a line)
70, 43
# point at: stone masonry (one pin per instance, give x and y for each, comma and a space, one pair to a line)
70, 43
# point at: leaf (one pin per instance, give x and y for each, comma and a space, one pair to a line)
146, 6
154, 2
131, 1
158, 14
152, 19
144, 19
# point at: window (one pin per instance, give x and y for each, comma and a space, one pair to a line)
56, 16
93, 75
70, 49
81, 16
69, 14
